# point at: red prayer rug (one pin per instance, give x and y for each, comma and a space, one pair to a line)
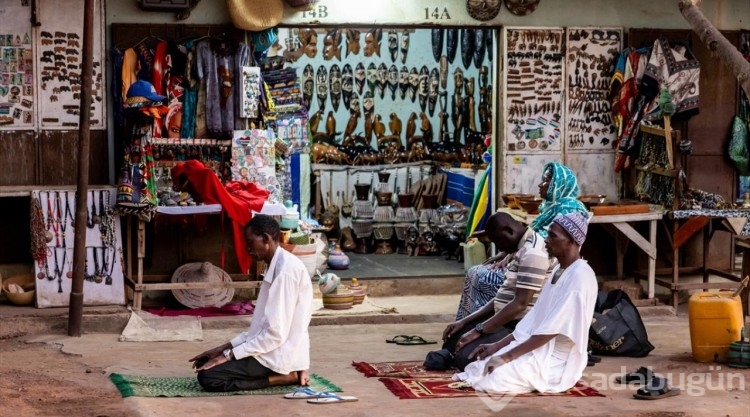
409, 380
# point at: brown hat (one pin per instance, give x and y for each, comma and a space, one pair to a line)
255, 15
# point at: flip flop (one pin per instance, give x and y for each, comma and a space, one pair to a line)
302, 393
398, 338
656, 389
642, 375
416, 340
329, 398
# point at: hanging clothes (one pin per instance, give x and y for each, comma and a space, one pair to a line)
219, 64
190, 97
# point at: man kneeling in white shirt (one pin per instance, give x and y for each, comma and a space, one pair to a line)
275, 350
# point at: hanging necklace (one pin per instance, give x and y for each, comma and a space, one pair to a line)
108, 267
86, 275
51, 222
68, 212
59, 269
91, 216
97, 270
107, 224
62, 219
44, 263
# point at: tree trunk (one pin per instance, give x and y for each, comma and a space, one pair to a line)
716, 42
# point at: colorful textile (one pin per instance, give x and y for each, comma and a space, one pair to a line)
480, 207
562, 197
480, 286
207, 186
410, 380
444, 387
576, 224
187, 386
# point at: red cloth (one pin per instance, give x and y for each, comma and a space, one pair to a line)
231, 309
205, 186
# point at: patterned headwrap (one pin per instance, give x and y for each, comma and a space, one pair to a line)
576, 224
562, 197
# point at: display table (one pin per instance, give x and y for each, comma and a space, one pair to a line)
137, 284
620, 226
686, 224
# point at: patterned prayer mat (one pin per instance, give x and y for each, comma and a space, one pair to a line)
409, 380
187, 386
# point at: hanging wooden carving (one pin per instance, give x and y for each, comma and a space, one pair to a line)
521, 7
534, 89
590, 59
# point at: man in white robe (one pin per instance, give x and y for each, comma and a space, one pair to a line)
547, 352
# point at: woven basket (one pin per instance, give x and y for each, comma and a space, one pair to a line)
202, 297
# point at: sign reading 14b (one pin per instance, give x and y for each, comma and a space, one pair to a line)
320, 12
436, 13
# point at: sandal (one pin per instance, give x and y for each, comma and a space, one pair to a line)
329, 397
656, 388
302, 393
642, 375
399, 338
416, 340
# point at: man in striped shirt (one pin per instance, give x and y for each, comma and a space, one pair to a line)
526, 263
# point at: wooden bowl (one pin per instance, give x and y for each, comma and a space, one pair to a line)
593, 200
530, 205
511, 200
26, 282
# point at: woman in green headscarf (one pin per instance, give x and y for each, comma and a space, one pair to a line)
559, 189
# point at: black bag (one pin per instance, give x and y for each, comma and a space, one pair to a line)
617, 328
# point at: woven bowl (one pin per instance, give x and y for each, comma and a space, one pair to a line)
341, 299
25, 281
593, 200
530, 205
511, 200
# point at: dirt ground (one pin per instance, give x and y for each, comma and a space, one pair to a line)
39, 380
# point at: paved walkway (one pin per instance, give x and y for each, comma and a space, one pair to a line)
335, 346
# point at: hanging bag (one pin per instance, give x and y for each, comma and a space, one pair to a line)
617, 328
738, 146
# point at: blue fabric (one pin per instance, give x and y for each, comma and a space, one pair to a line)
460, 188
296, 191
562, 197
480, 287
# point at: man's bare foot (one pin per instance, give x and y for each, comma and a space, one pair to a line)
292, 378
304, 378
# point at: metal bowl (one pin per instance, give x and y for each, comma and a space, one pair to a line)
593, 200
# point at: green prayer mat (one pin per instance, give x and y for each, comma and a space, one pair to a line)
187, 386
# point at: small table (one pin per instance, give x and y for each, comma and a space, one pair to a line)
139, 286
619, 225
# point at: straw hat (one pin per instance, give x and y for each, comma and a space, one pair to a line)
203, 297
255, 15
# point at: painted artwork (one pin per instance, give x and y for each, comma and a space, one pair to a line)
534, 89
591, 55
59, 62
292, 129
103, 272
17, 105
254, 160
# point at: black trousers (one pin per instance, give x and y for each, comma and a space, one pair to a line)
240, 375
461, 359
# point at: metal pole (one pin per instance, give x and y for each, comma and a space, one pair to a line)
75, 312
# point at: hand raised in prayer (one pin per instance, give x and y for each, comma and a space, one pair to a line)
494, 363
467, 338
451, 329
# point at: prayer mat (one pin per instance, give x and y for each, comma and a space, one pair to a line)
404, 369
187, 386
409, 380
444, 387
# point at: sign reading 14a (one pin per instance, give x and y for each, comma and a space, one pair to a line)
436, 13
